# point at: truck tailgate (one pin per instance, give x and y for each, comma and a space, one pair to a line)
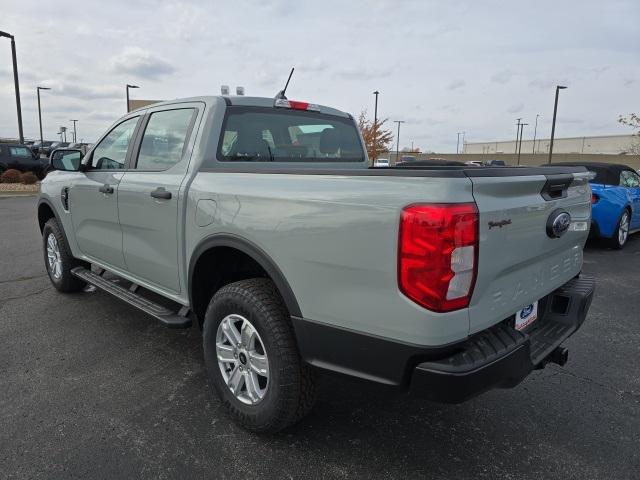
518, 261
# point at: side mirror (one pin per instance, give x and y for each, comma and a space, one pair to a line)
66, 159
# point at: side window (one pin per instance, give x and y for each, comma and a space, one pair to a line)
20, 152
111, 152
164, 139
629, 179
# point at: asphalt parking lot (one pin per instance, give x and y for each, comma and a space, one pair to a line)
91, 388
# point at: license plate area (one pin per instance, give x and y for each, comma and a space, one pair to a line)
526, 316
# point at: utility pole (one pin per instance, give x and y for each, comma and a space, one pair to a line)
375, 128
16, 82
520, 147
458, 144
398, 139
535, 130
74, 129
463, 135
40, 112
553, 123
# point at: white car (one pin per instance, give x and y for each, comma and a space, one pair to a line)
381, 162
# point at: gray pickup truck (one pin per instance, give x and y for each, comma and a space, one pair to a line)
260, 220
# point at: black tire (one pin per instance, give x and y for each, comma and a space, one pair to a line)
66, 282
291, 391
616, 241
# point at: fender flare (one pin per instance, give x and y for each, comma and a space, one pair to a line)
256, 253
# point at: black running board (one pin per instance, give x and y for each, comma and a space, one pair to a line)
167, 317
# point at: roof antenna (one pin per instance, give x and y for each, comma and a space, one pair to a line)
281, 93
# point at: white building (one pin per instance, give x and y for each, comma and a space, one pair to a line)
605, 144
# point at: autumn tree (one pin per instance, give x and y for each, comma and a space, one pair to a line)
632, 120
376, 137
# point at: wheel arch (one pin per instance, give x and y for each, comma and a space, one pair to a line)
228, 242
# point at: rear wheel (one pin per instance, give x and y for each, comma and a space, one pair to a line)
621, 234
58, 259
252, 358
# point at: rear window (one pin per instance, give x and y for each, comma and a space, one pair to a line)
251, 134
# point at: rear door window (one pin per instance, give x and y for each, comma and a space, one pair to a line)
282, 135
20, 152
164, 139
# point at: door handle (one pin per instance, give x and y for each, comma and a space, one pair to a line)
160, 192
106, 189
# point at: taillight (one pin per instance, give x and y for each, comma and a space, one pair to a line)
594, 198
438, 254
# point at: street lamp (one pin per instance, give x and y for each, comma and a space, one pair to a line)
375, 127
520, 147
535, 130
553, 123
40, 112
517, 135
463, 135
398, 139
128, 87
74, 129
15, 81
458, 143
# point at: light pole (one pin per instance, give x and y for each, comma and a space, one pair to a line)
517, 134
15, 81
128, 87
398, 139
458, 143
40, 113
74, 129
463, 135
535, 130
520, 147
375, 127
553, 123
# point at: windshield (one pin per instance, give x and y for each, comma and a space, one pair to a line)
283, 135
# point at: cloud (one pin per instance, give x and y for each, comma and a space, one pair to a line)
141, 63
547, 84
356, 73
502, 77
517, 108
456, 84
86, 92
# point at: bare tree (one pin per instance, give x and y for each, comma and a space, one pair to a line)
632, 120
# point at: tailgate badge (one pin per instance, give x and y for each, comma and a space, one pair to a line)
558, 223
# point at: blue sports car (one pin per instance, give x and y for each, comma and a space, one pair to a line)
615, 201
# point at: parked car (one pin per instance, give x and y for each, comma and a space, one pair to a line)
496, 163
615, 201
407, 158
381, 162
46, 150
20, 157
38, 147
260, 220
474, 163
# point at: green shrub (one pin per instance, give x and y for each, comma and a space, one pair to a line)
28, 178
11, 176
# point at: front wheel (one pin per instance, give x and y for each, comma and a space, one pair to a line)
58, 259
252, 359
621, 234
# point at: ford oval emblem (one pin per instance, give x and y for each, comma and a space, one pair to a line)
558, 223
526, 311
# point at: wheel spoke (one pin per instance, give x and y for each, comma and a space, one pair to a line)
259, 363
225, 353
50, 242
253, 387
231, 332
236, 379
246, 334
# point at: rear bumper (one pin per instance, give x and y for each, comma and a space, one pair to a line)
501, 357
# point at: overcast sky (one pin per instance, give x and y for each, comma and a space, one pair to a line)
441, 66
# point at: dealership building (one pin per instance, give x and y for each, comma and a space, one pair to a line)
603, 144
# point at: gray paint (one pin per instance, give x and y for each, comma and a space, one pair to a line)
333, 236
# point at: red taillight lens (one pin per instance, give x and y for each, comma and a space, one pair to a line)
438, 254
594, 198
296, 105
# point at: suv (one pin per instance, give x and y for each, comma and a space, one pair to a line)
260, 221
20, 157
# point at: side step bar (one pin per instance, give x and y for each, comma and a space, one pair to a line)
169, 318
